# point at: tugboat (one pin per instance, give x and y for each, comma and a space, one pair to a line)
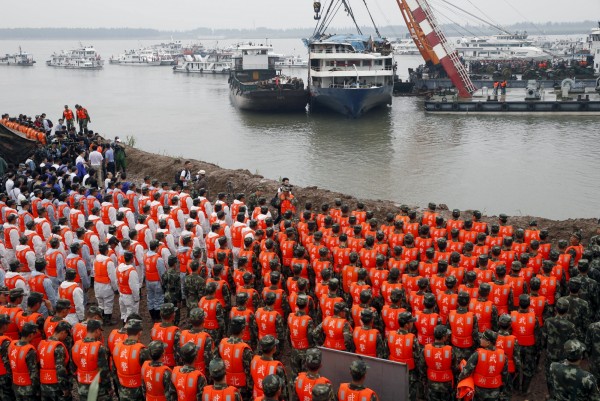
255, 84
19, 59
350, 74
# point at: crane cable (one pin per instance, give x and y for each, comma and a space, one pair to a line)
478, 18
351, 14
373, 21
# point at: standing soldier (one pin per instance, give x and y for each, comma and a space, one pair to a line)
404, 348
24, 365
155, 268
194, 286
188, 381
6, 392
427, 320
300, 327
526, 329
485, 310
55, 379
367, 340
570, 382
464, 327
70, 290
579, 310
129, 356
557, 331
335, 331
105, 282
250, 332
200, 337
356, 390
264, 364
273, 388
214, 322
508, 343
219, 390
80, 329
156, 377
171, 285
440, 361
270, 322
169, 333
129, 287
237, 356
308, 379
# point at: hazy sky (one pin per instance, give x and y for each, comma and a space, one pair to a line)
189, 14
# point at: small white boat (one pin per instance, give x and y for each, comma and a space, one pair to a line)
85, 58
500, 47
143, 58
209, 64
405, 47
19, 59
292, 62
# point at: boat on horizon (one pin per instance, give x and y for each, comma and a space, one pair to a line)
515, 46
138, 58
84, 58
213, 62
350, 74
19, 59
256, 84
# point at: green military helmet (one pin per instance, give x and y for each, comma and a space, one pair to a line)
196, 315
188, 351
359, 367
167, 309
574, 350
313, 358
321, 392
489, 335
405, 318
271, 385
237, 324
216, 368
134, 324
268, 342
156, 349
562, 305
504, 321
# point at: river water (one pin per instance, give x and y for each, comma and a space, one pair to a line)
542, 166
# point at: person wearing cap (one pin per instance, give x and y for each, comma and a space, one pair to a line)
215, 314
156, 377
427, 320
70, 290
307, 380
539, 305
91, 357
129, 286
508, 343
168, 332
569, 380
447, 300
404, 347
250, 332
237, 356
489, 369
6, 392
194, 284
105, 281
335, 331
439, 362
501, 292
557, 331
464, 328
367, 340
24, 364
264, 364
189, 382
13, 310
43, 224
517, 282
26, 256
356, 390
54, 365
222, 280
171, 284
78, 264
155, 268
580, 313
200, 337
484, 309
128, 357
281, 304
590, 290
13, 279
80, 329
328, 300
270, 322
366, 299
220, 389
301, 327
526, 329
11, 236
32, 315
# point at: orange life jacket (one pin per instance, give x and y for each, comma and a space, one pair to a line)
389, 316
446, 304
210, 393
439, 363
210, 308
345, 393
101, 271
488, 372
365, 341
259, 369
548, 288
123, 280
17, 354
232, 356
461, 325
523, 327
127, 364
150, 263
153, 378
186, 384
507, 344
46, 350
85, 357
267, 322
537, 306
483, 311
199, 339
425, 324
401, 348
298, 326
67, 293
499, 296
167, 336
333, 327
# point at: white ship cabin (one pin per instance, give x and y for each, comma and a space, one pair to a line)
88, 52
350, 64
594, 46
254, 57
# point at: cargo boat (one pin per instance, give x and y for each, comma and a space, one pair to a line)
19, 59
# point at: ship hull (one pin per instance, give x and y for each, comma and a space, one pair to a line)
292, 100
351, 102
515, 108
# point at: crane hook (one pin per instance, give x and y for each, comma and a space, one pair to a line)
317, 8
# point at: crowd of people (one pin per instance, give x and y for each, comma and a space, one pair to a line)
471, 306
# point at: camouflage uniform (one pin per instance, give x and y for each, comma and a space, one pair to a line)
571, 383
217, 334
319, 335
413, 375
592, 346
170, 392
32, 392
201, 380
438, 391
529, 356
6, 392
514, 377
557, 331
193, 289
579, 314
485, 394
171, 285
246, 361
298, 356
62, 390
105, 389
137, 393
465, 353
589, 292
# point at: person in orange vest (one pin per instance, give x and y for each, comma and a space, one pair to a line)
335, 331
539, 304
356, 390
307, 380
526, 328
447, 300
508, 343
70, 290
404, 347
484, 309
501, 291
263, 365
83, 118
427, 320
496, 84
61, 310
13, 310
250, 333
24, 365
200, 337
464, 328
489, 369
32, 315
391, 311
301, 338
91, 358
237, 356
439, 364
189, 382
270, 322
6, 391
54, 365
156, 376
128, 357
105, 282
367, 340
169, 333
129, 286
80, 329
214, 323
69, 117
219, 390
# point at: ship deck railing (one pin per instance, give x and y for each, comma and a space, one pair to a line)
352, 69
354, 86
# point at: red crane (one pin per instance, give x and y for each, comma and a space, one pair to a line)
433, 45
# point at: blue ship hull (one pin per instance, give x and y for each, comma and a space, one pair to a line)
351, 102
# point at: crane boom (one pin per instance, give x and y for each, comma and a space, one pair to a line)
433, 45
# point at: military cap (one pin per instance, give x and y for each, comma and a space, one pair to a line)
524, 301
440, 331
28, 328
95, 311
359, 367
380, 258
313, 358
574, 350
301, 301
451, 280
429, 300
16, 292
167, 309
396, 295
63, 304
516, 265
270, 298
156, 348
241, 298
394, 273
93, 325
196, 315
489, 335
562, 305
271, 383
70, 274
216, 368
464, 297
406, 317
503, 216
134, 324
367, 315
574, 285
485, 288
504, 320
188, 351
501, 270
339, 306
321, 392
4, 319
237, 324
62, 326
268, 342
483, 256
38, 296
